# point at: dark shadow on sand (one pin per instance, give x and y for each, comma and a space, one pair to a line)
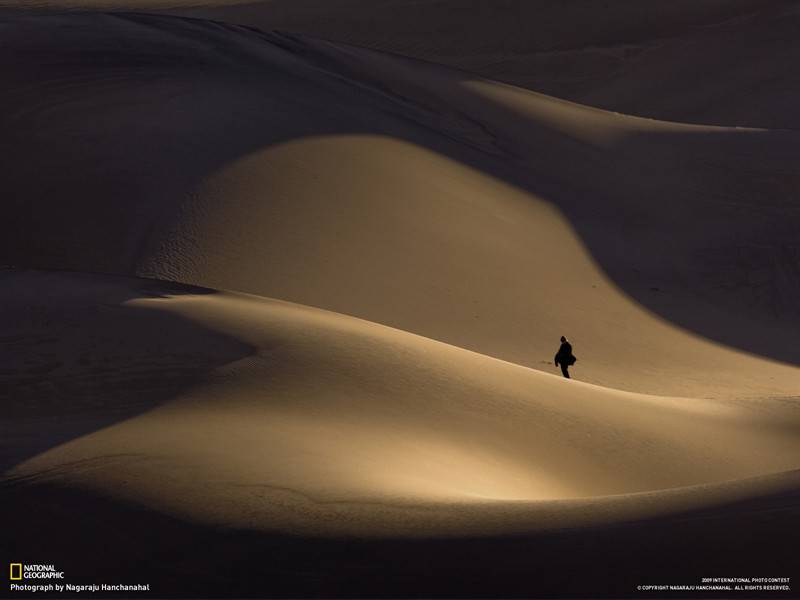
182, 559
75, 358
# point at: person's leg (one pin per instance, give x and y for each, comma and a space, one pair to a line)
564, 370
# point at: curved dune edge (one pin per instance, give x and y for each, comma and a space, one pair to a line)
308, 421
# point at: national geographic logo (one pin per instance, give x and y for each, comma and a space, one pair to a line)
20, 571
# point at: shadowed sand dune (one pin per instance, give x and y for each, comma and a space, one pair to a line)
317, 424
403, 193
722, 62
66, 360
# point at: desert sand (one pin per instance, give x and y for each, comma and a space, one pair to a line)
720, 62
279, 313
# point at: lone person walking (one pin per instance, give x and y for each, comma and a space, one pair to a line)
564, 357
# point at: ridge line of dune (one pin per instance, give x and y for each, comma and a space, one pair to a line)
268, 36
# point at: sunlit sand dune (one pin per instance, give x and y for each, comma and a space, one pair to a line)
217, 428
466, 211
316, 405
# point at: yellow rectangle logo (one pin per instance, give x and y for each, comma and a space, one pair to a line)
15, 571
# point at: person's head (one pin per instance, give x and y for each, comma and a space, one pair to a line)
563, 339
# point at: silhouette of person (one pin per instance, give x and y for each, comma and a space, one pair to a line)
564, 357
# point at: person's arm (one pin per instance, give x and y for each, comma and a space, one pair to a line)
555, 359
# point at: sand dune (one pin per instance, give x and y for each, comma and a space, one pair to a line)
401, 193
187, 413
338, 375
317, 405
722, 62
